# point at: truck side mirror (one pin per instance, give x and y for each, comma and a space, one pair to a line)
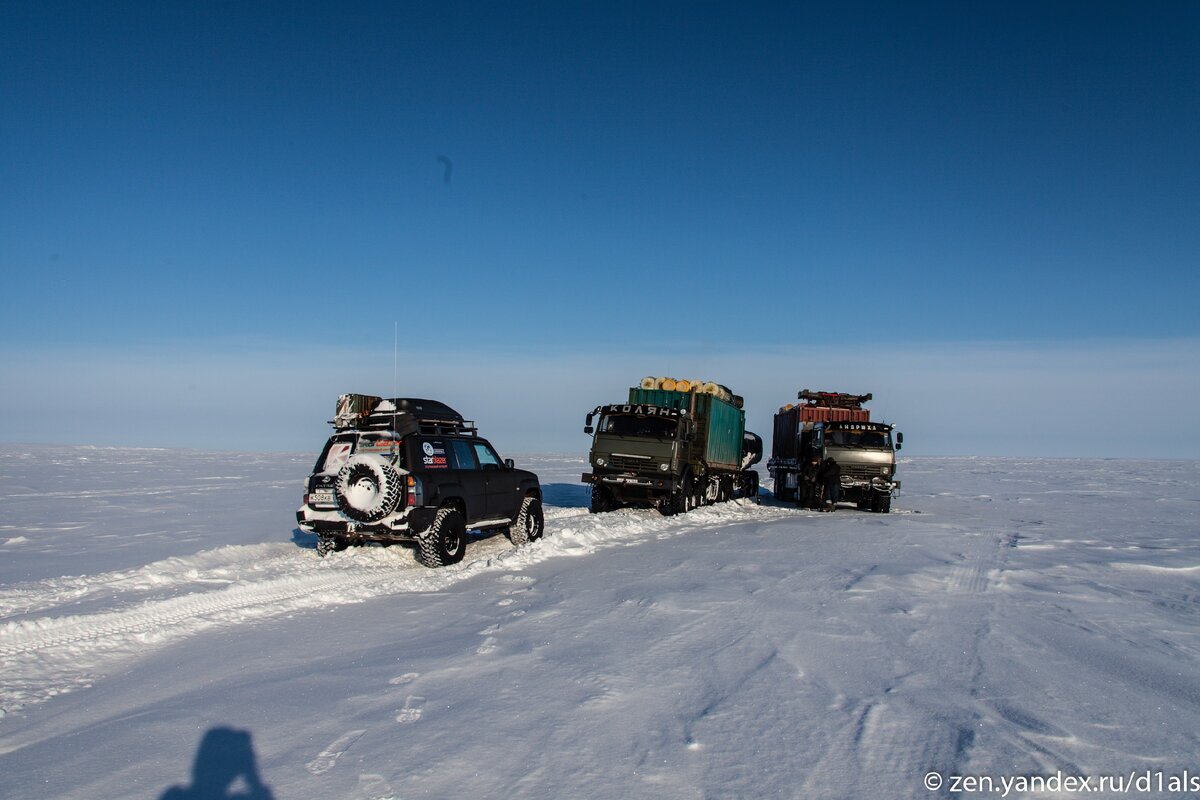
588, 429
587, 424
508, 463
899, 440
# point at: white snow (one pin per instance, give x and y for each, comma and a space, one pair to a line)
1010, 617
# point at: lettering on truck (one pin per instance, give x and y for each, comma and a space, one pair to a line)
642, 410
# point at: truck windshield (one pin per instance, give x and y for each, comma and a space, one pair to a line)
642, 427
864, 440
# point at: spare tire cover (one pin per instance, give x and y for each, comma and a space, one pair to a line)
368, 488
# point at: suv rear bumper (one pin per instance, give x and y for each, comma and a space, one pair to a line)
402, 527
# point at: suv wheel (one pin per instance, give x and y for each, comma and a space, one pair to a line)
529, 524
330, 543
446, 540
325, 544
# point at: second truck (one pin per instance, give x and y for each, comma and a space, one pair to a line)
834, 425
673, 445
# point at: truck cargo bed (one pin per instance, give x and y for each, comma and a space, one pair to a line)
720, 426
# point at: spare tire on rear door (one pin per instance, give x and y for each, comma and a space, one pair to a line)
368, 488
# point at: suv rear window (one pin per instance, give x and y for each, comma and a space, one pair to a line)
337, 452
339, 449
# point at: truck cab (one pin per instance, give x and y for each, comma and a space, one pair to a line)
674, 445
865, 453
637, 450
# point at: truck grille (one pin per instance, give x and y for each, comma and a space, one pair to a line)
632, 464
863, 471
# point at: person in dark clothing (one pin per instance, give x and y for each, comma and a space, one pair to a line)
830, 477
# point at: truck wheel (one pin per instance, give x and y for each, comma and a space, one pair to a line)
883, 505
446, 540
682, 501
602, 500
529, 524
750, 486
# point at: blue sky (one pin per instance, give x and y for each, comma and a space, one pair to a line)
228, 188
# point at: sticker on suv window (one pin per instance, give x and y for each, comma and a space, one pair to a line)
376, 446
434, 455
339, 453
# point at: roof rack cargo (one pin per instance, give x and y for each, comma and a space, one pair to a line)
834, 399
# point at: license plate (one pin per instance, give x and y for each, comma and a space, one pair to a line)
320, 498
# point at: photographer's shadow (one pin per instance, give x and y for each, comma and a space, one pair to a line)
225, 769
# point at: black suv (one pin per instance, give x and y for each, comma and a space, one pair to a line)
409, 470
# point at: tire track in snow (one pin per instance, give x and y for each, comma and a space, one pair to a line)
897, 737
45, 656
24, 637
224, 566
920, 723
221, 566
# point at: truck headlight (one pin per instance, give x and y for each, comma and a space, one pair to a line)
600, 462
664, 467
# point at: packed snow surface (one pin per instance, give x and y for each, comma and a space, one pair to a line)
163, 624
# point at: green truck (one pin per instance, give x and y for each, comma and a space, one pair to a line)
674, 446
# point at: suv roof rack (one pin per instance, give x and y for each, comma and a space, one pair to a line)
403, 415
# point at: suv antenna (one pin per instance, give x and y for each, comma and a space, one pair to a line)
395, 367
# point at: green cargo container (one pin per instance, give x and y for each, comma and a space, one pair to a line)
720, 426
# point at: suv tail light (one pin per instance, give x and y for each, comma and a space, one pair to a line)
414, 494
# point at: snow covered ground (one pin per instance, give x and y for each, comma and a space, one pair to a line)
1009, 618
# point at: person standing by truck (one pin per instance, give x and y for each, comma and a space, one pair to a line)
829, 476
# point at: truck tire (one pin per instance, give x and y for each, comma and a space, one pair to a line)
529, 524
602, 500
446, 540
805, 496
368, 488
882, 504
750, 486
683, 500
